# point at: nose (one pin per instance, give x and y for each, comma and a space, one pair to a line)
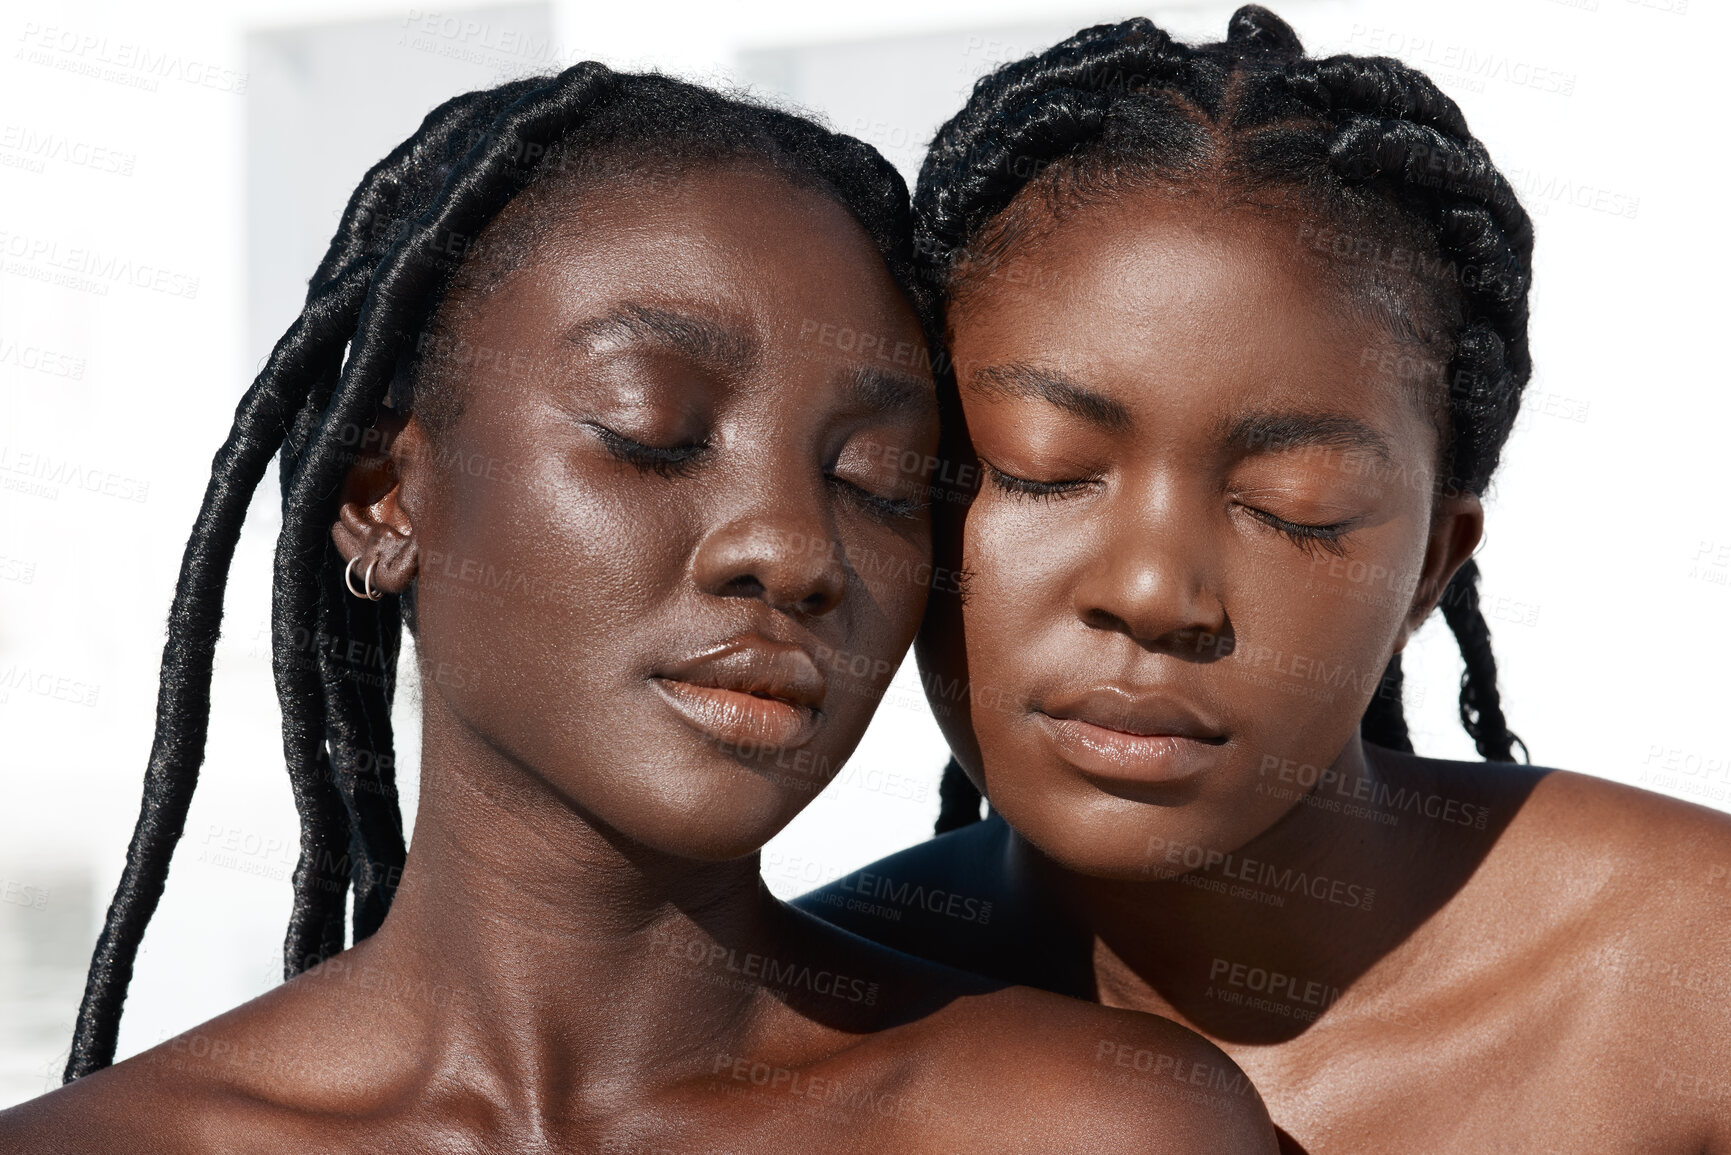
779, 549
1150, 581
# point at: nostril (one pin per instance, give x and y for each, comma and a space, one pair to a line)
821, 601
744, 586
763, 559
1105, 620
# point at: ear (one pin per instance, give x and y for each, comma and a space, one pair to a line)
373, 522
1457, 525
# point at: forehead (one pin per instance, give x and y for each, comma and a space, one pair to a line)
1174, 301
740, 236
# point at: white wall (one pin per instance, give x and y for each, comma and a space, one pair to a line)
170, 171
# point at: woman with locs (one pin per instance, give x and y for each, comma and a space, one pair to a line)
561, 334
1238, 337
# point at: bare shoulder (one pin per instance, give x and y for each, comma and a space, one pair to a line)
1041, 1072
1592, 867
1635, 889
162, 1100
263, 1075
1662, 865
975, 1064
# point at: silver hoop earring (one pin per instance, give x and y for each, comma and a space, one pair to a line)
371, 594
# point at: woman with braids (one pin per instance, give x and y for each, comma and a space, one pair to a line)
1238, 336
554, 401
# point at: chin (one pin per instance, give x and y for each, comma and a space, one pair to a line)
1080, 828
1100, 835
1098, 849
719, 822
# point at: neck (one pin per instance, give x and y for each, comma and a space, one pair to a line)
566, 952
1317, 898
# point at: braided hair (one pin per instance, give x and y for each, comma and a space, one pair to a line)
1423, 228
413, 235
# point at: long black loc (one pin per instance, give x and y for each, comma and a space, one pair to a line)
1369, 140
496, 168
308, 354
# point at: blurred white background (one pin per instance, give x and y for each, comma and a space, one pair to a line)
170, 172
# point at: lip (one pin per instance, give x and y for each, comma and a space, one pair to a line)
747, 692
1116, 734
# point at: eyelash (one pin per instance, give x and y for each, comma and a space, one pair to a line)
668, 461
1035, 490
682, 461
1309, 538
877, 504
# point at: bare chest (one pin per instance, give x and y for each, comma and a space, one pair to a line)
1561, 1071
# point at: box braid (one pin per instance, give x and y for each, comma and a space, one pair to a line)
1367, 143
405, 234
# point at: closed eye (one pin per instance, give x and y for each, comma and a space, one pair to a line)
668, 460
876, 503
1026, 487
1309, 538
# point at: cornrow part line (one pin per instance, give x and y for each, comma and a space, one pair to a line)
1104, 50
983, 136
1375, 86
1040, 130
194, 625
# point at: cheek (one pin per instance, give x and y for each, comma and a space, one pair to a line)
895, 573
882, 614
1327, 607
544, 578
1312, 640
1020, 560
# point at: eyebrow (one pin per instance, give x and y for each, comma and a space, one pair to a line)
882, 391
1054, 388
689, 334
1279, 431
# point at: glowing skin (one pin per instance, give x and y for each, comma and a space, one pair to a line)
1207, 519
1152, 631
634, 548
